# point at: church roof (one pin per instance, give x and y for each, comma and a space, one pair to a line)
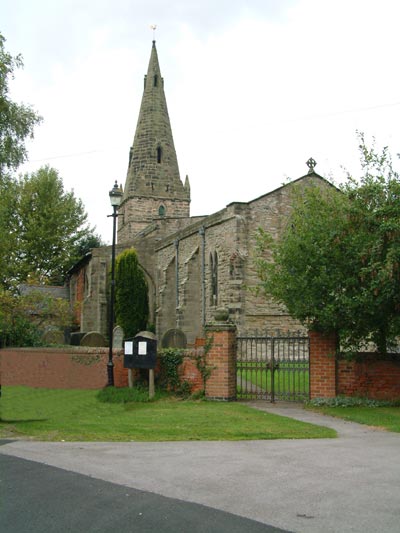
153, 170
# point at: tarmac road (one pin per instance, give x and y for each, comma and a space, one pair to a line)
44, 499
348, 484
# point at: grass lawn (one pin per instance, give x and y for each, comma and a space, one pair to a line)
383, 417
77, 415
293, 377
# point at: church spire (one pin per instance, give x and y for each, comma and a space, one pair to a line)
153, 186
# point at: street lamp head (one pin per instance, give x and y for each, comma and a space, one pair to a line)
115, 195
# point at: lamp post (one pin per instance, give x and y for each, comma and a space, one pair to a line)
115, 200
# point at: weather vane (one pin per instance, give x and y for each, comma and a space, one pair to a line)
153, 27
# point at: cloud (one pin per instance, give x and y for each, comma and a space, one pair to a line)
253, 88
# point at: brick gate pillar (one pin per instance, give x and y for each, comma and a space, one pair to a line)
221, 384
322, 365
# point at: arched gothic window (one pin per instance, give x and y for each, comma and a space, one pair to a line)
161, 210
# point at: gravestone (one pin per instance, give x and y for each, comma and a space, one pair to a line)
53, 336
94, 339
118, 337
174, 338
76, 337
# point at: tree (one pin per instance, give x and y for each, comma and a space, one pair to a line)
15, 327
24, 318
337, 265
86, 243
131, 294
17, 121
8, 228
50, 226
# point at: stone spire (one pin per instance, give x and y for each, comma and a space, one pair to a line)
153, 187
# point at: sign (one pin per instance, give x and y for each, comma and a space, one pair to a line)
140, 352
128, 348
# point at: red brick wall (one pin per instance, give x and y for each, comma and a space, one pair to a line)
189, 372
60, 368
322, 365
372, 378
77, 368
222, 357
368, 376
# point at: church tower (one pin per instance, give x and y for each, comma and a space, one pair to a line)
153, 187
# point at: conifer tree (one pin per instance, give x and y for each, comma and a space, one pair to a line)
131, 294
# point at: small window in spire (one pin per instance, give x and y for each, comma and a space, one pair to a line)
159, 154
155, 80
161, 211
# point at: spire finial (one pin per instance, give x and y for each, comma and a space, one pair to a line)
311, 165
154, 27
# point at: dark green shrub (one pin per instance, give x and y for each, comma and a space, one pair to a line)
131, 294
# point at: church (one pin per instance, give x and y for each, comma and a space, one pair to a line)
193, 265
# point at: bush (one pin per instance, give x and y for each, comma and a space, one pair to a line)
170, 360
350, 401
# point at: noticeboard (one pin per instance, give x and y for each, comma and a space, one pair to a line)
140, 352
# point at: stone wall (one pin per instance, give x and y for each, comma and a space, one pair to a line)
270, 212
226, 238
91, 299
179, 257
134, 216
184, 276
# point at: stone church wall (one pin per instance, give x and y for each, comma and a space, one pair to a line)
194, 250
137, 213
270, 212
193, 266
89, 290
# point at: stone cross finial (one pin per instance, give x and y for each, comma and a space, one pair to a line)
311, 165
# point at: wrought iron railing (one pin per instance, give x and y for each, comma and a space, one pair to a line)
273, 367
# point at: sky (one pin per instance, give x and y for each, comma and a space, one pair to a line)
254, 89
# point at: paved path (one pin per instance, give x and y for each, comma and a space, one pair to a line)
348, 484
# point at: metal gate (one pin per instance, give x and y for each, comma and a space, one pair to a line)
273, 367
